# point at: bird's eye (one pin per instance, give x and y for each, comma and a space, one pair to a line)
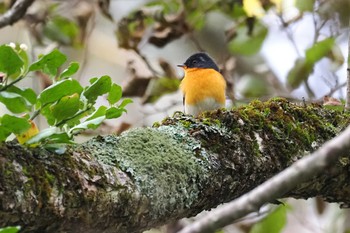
194, 62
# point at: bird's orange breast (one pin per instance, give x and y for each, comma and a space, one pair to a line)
199, 84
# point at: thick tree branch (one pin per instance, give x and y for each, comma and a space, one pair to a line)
16, 12
150, 176
301, 171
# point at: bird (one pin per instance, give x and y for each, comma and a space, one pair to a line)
203, 86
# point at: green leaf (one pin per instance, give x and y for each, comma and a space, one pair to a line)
4, 133
66, 107
10, 61
246, 44
196, 19
27, 93
53, 135
24, 56
337, 58
125, 102
47, 113
101, 111
3, 7
58, 148
62, 137
299, 73
99, 87
114, 94
252, 86
160, 87
114, 112
16, 125
273, 223
71, 69
305, 5
62, 30
89, 124
319, 50
92, 80
10, 229
14, 102
56, 91
49, 63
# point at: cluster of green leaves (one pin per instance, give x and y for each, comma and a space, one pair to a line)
304, 66
61, 29
67, 106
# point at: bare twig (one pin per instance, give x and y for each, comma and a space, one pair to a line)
148, 64
317, 27
289, 34
290, 37
347, 104
308, 89
16, 12
12, 83
332, 91
275, 187
195, 42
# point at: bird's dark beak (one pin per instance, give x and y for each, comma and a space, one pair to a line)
182, 66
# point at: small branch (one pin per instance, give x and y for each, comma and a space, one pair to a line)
59, 124
309, 91
290, 37
332, 91
347, 104
195, 42
12, 83
148, 64
16, 12
289, 34
317, 28
275, 187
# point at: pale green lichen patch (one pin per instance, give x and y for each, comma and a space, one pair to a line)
161, 162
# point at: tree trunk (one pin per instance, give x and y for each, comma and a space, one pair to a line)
151, 176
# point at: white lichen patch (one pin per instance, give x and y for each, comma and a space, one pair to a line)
259, 140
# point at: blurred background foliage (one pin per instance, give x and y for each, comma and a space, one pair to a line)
265, 48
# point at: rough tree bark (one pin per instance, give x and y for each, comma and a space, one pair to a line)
150, 176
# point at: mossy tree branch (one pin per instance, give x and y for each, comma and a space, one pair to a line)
149, 176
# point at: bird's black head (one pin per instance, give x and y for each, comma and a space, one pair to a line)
200, 60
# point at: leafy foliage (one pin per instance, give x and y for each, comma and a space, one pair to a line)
303, 67
67, 106
248, 44
273, 223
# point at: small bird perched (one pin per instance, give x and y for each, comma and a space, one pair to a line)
203, 86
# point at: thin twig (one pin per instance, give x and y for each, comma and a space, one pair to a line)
16, 12
289, 34
301, 171
347, 104
12, 83
148, 64
308, 89
59, 124
195, 42
332, 91
317, 28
